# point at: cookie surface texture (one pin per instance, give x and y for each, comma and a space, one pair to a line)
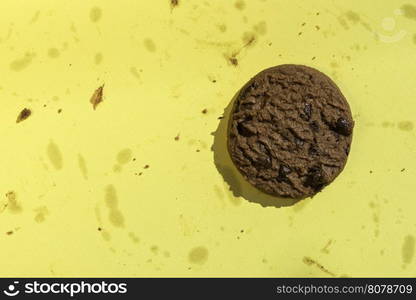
290, 131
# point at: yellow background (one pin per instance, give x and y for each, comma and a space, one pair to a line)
78, 205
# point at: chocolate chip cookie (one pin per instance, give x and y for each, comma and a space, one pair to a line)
290, 131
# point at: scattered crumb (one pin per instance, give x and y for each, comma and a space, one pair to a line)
318, 13
99, 229
214, 81
402, 170
97, 97
317, 27
59, 110
146, 167
9, 232
371, 172
177, 137
220, 117
140, 174
44, 105
270, 44
134, 159
204, 111
309, 261
24, 114
313, 58
300, 33
174, 3
303, 24
234, 61
197, 150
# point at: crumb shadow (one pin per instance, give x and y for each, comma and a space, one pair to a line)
238, 185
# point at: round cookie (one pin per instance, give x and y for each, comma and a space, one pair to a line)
290, 131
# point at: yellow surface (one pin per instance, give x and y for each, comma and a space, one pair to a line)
72, 173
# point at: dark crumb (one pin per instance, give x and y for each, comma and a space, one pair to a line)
214, 81
70, 65
318, 13
140, 174
242, 230
24, 114
97, 97
233, 61
220, 117
99, 229
146, 167
197, 150
59, 110
177, 137
313, 58
9, 232
270, 44
238, 237
303, 24
174, 3
300, 33
44, 105
204, 111
402, 170
371, 172
317, 27
134, 159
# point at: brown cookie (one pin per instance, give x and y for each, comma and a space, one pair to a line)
290, 131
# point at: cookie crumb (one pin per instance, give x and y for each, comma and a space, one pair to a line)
97, 97
9, 232
402, 170
174, 3
204, 111
146, 167
233, 61
23, 115
177, 137
99, 229
59, 110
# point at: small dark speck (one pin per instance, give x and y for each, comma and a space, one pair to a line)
300, 33
270, 44
317, 27
402, 170
59, 110
177, 137
214, 81
9, 232
134, 159
318, 13
24, 114
220, 117
371, 172
44, 105
204, 111
242, 230
197, 150
174, 3
140, 174
99, 229
234, 61
313, 58
303, 24
146, 167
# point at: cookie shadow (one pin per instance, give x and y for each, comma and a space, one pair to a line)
238, 185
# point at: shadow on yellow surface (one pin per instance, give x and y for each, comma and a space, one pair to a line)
238, 185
